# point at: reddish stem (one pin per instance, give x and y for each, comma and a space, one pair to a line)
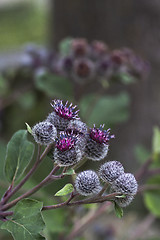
33, 190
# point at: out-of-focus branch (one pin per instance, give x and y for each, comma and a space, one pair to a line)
142, 227
83, 223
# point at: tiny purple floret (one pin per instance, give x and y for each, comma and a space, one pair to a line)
64, 111
99, 135
65, 142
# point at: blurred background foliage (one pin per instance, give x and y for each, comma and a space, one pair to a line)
130, 107
18, 19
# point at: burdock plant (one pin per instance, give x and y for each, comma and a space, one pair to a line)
68, 141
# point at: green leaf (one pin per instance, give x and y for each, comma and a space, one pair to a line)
125, 78
65, 46
53, 85
118, 210
107, 109
152, 202
19, 154
27, 222
68, 188
29, 129
55, 220
151, 198
120, 196
69, 172
156, 143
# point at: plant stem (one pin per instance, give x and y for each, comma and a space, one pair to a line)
33, 190
103, 189
5, 214
32, 170
95, 199
60, 204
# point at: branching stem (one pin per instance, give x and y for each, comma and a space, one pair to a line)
33, 190
29, 174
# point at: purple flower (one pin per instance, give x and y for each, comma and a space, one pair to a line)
97, 143
65, 142
66, 152
64, 111
99, 135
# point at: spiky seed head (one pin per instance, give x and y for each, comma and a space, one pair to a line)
110, 171
124, 202
87, 183
95, 151
97, 143
79, 129
125, 184
59, 122
62, 114
66, 152
44, 133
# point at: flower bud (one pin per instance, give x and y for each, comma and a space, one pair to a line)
87, 183
66, 151
125, 184
44, 133
97, 143
79, 129
110, 171
62, 114
124, 202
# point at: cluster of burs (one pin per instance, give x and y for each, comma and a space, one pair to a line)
73, 141
84, 62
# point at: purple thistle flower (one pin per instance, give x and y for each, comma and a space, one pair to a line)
99, 135
97, 143
66, 152
63, 111
65, 142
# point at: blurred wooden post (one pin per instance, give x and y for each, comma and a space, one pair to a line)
133, 24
